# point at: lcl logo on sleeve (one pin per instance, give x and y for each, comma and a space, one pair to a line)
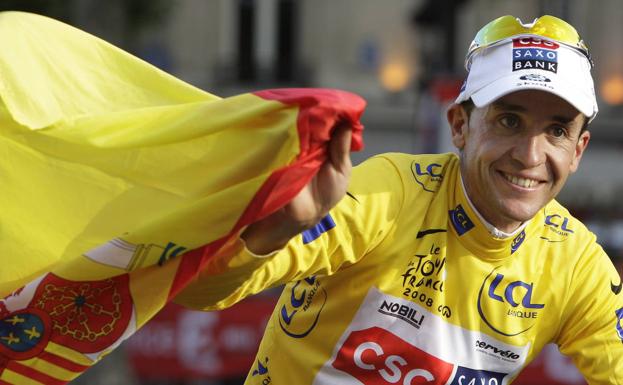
299, 313
429, 176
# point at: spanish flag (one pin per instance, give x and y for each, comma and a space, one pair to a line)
119, 182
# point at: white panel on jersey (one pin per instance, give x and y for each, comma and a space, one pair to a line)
394, 341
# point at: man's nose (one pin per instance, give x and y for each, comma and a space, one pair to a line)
529, 150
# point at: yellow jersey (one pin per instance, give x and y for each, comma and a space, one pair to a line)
402, 283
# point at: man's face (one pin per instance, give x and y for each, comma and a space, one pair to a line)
517, 153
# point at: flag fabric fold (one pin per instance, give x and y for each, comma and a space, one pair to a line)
120, 181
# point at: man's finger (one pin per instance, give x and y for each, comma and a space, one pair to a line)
339, 149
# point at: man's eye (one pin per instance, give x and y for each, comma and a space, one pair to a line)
510, 121
559, 132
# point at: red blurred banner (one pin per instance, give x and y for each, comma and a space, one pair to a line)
184, 344
550, 368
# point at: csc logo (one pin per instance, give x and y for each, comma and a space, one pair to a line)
390, 369
534, 42
513, 300
377, 356
429, 177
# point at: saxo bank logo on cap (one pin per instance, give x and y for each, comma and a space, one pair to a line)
534, 53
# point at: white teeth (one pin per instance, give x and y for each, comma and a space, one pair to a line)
523, 182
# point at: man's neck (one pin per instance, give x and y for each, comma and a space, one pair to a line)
496, 232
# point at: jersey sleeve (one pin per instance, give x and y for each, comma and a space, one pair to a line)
592, 329
355, 226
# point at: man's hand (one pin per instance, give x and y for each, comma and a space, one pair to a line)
311, 204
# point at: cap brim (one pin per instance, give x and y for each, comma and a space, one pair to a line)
508, 84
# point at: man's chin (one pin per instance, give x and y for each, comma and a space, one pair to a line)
509, 212
521, 214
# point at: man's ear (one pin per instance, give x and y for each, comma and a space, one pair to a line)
458, 120
580, 146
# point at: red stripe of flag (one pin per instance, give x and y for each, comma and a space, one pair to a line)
62, 362
31, 373
5, 383
320, 112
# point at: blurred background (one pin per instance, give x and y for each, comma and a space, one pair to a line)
405, 57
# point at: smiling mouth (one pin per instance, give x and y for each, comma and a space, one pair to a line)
521, 182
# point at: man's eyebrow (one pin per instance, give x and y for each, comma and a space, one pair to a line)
563, 119
500, 105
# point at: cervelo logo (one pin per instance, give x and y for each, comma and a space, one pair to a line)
487, 347
534, 53
500, 294
429, 176
377, 356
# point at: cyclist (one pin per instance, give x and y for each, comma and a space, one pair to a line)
443, 269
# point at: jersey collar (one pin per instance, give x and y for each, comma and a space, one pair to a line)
474, 232
494, 231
